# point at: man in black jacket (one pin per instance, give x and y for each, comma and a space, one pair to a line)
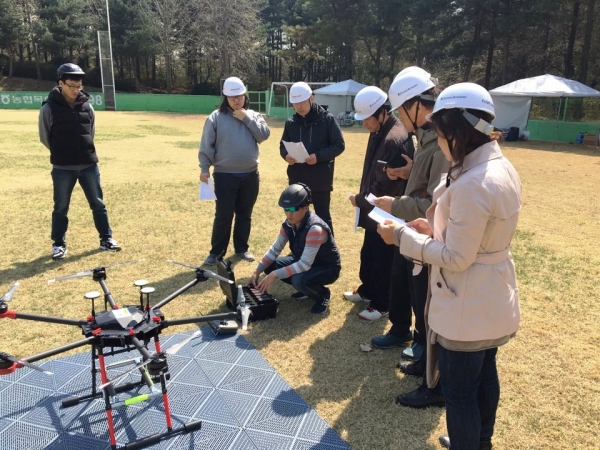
387, 145
66, 128
320, 133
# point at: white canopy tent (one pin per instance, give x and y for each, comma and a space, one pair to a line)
513, 101
338, 96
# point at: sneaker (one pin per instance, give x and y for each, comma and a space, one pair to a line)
413, 352
415, 368
110, 245
246, 256
389, 340
422, 397
299, 296
59, 252
211, 259
371, 314
320, 306
355, 297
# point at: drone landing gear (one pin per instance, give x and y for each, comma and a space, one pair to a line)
156, 370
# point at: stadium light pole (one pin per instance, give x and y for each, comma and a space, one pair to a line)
112, 106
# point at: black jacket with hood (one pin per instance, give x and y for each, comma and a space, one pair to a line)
321, 135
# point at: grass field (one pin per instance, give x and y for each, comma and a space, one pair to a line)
549, 374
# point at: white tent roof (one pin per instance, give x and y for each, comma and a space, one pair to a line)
348, 87
545, 86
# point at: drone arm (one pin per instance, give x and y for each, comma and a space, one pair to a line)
57, 350
176, 293
50, 319
107, 295
140, 347
222, 316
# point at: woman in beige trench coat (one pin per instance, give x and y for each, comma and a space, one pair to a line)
473, 305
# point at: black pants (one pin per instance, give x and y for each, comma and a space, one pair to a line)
321, 201
376, 270
400, 300
235, 195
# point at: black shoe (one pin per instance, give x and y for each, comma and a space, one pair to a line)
320, 306
445, 441
416, 368
422, 397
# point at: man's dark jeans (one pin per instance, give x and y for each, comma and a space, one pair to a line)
64, 182
235, 195
471, 388
376, 258
312, 282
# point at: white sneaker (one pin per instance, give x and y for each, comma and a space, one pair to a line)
59, 252
355, 297
371, 314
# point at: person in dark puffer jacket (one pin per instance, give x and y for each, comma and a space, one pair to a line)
66, 128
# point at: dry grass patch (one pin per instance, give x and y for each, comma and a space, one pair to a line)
549, 373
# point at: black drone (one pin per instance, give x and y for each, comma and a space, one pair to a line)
120, 329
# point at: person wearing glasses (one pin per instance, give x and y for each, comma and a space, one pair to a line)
229, 144
314, 261
66, 127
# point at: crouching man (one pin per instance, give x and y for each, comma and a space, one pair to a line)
314, 261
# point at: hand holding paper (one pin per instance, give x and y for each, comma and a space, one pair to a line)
296, 150
207, 191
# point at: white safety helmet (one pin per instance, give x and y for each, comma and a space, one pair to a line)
467, 96
233, 86
367, 101
408, 85
414, 69
299, 92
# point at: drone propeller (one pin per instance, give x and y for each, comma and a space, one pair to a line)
206, 273
7, 357
9, 294
175, 348
87, 273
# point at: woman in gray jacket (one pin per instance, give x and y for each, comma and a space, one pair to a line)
230, 144
473, 306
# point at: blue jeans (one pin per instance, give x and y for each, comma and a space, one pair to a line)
471, 389
64, 182
312, 282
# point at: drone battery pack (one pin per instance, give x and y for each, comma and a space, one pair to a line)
262, 306
223, 327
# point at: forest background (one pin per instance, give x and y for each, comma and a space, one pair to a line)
190, 46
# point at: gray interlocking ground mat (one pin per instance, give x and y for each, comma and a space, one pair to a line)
222, 380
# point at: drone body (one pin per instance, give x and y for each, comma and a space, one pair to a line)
117, 330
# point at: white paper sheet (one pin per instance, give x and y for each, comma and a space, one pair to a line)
380, 216
371, 199
356, 217
296, 150
207, 191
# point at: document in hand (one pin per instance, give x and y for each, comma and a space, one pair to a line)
296, 150
380, 216
371, 199
207, 191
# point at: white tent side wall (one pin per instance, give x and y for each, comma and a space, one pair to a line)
336, 104
511, 111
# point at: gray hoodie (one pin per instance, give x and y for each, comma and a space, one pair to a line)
231, 145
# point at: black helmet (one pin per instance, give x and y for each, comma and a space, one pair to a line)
295, 195
69, 69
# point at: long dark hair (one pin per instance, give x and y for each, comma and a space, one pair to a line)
225, 104
452, 125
